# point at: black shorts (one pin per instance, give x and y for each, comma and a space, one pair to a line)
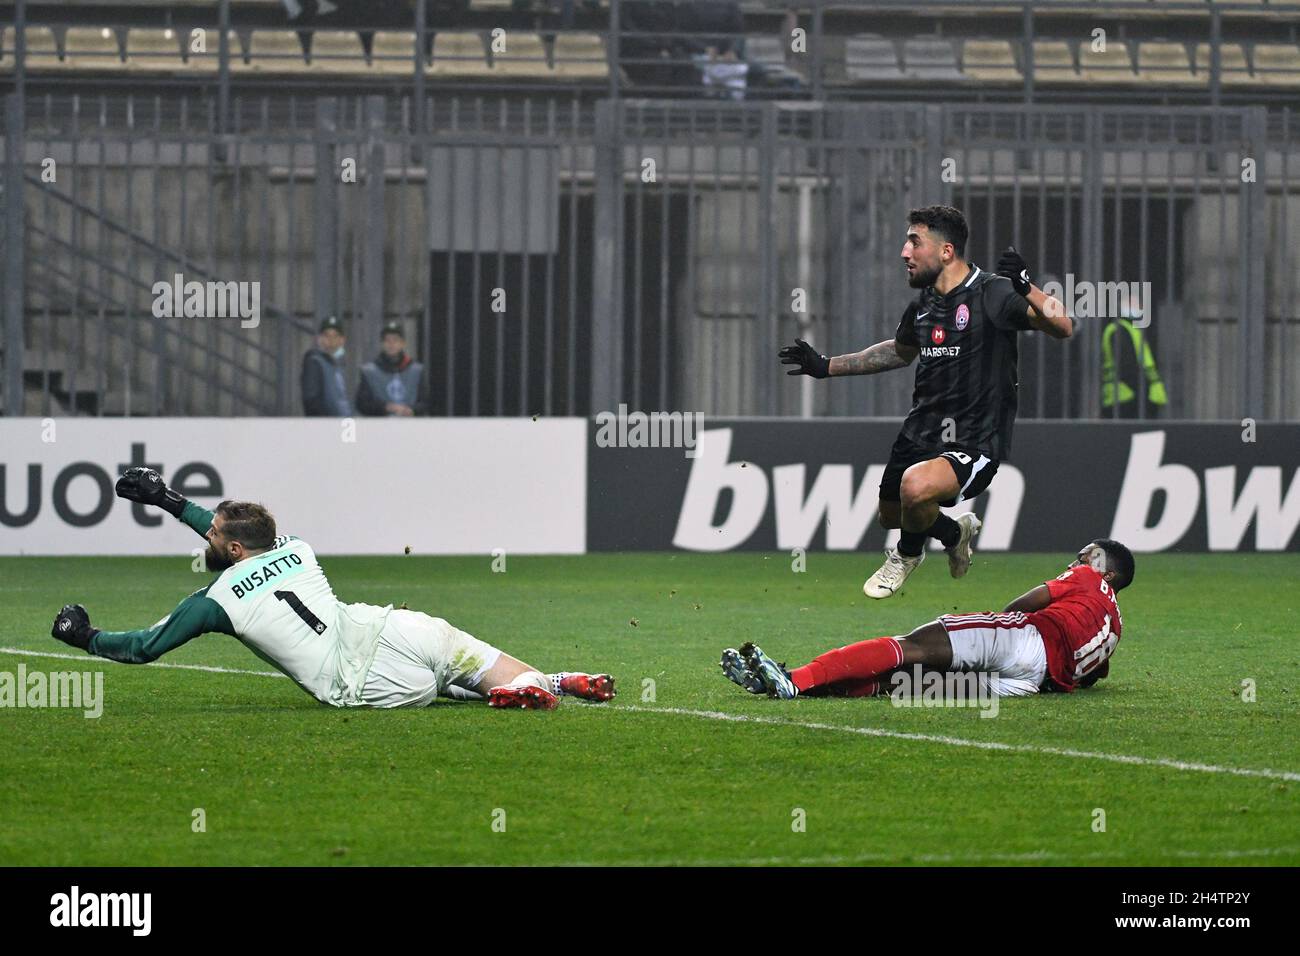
974, 470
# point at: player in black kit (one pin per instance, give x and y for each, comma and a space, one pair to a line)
964, 326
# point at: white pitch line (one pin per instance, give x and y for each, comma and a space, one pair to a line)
807, 725
104, 660
1034, 856
963, 742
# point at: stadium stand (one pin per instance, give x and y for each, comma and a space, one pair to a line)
954, 45
580, 56
1159, 62
340, 51
990, 61
151, 49
1275, 63
92, 48
43, 47
523, 54
870, 57
272, 51
1234, 62
392, 51
1114, 64
459, 54
931, 59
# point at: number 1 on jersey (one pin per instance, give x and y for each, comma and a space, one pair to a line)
308, 618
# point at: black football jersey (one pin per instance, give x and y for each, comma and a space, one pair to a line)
967, 371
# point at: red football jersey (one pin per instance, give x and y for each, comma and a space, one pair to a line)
1080, 627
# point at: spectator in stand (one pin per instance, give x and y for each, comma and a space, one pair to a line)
696, 43
718, 47
324, 393
394, 383
296, 9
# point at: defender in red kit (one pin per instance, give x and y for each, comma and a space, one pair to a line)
1058, 636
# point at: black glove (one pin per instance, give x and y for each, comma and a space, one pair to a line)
72, 627
1012, 265
806, 357
147, 487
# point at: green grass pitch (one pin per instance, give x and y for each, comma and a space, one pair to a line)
283, 780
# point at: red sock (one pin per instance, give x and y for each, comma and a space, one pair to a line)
854, 688
861, 661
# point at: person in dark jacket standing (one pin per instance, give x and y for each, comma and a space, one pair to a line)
394, 383
324, 392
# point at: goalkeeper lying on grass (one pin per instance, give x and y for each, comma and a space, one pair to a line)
273, 597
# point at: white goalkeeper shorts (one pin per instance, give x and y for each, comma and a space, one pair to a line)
1007, 653
419, 657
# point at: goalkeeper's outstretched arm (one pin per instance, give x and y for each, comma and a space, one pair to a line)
146, 486
197, 614
197, 517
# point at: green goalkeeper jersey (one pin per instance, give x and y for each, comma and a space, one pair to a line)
281, 606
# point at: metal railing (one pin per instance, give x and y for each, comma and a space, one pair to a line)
548, 259
65, 289
350, 216
795, 231
563, 251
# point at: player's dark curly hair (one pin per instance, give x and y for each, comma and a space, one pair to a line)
248, 523
944, 220
1123, 559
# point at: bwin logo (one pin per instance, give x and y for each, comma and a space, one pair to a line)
800, 510
1264, 499
103, 909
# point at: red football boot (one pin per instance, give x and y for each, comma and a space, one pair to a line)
526, 697
588, 686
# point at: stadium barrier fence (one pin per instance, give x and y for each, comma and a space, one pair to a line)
555, 258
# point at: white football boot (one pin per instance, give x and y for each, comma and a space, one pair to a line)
959, 554
888, 581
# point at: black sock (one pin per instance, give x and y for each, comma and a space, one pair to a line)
911, 543
946, 530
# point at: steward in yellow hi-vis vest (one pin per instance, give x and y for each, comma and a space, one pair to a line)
1120, 378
